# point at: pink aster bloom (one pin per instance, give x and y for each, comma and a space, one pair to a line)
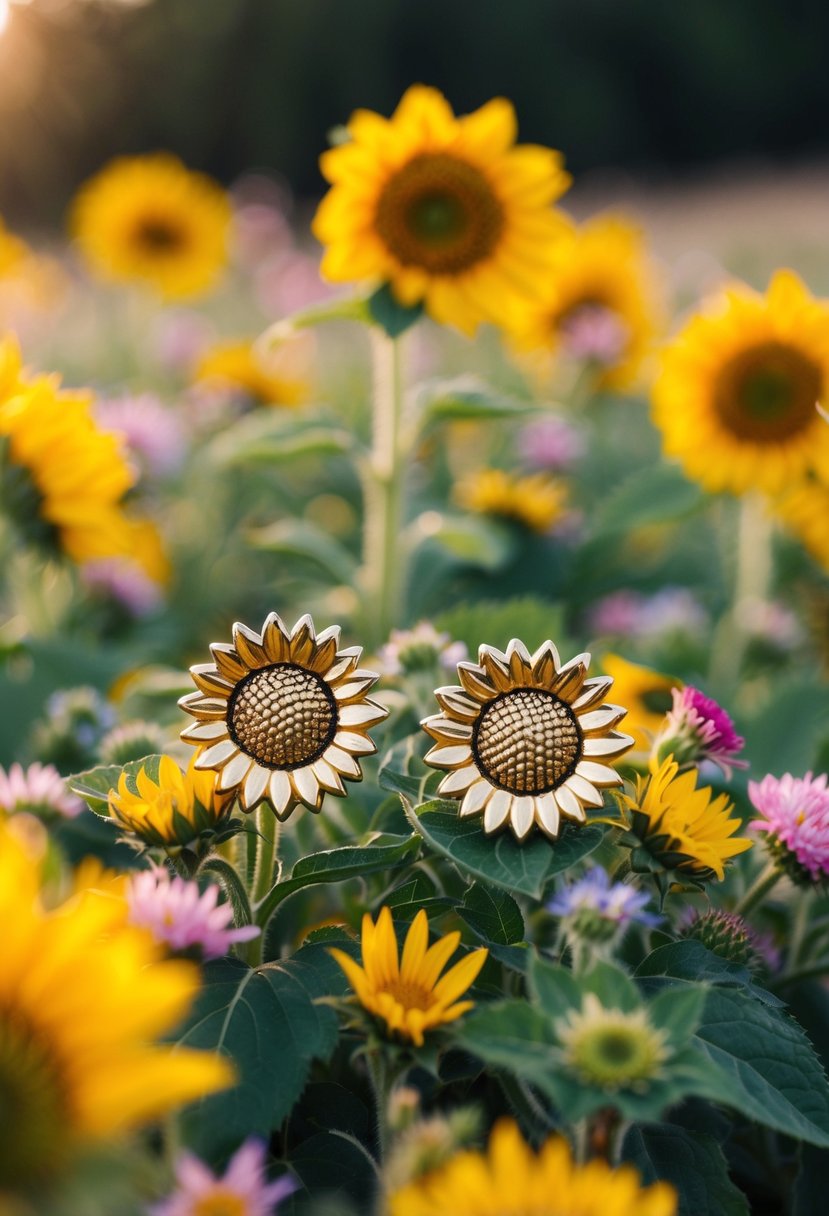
177, 913
551, 443
153, 432
242, 1189
795, 815
40, 787
595, 334
698, 729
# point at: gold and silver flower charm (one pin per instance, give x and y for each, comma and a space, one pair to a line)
526, 739
282, 715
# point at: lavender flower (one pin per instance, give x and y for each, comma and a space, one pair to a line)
631, 614
125, 582
551, 443
795, 818
242, 1189
598, 910
698, 729
152, 430
177, 913
595, 334
39, 788
418, 649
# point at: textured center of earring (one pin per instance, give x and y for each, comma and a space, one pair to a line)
283, 716
527, 741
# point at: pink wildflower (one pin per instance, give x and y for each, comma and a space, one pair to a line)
698, 729
152, 430
125, 582
178, 913
242, 1189
595, 334
795, 816
551, 443
40, 787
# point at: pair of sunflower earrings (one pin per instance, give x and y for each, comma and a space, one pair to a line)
284, 716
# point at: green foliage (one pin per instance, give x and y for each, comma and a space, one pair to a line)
692, 1162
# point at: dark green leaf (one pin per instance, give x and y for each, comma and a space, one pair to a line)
94, 785
302, 539
691, 960
690, 1161
653, 495
391, 316
467, 397
493, 915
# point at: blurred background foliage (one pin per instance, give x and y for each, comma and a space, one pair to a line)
229, 85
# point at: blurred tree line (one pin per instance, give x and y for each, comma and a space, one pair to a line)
236, 84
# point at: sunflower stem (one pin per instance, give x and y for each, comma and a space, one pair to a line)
382, 1082
383, 486
754, 569
232, 886
758, 889
267, 825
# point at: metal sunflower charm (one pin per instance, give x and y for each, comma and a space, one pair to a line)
526, 739
282, 715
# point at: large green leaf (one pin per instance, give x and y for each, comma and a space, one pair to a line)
493, 915
474, 540
94, 785
527, 868
652, 495
691, 960
692, 1162
271, 437
299, 538
267, 1021
764, 1066
469, 398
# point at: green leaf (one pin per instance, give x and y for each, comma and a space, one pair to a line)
271, 438
334, 1164
395, 769
347, 308
526, 868
794, 751
393, 317
691, 960
653, 495
94, 784
678, 1011
474, 540
812, 1183
495, 622
551, 987
299, 538
764, 1066
493, 915
335, 865
468, 398
512, 1035
270, 1025
692, 1162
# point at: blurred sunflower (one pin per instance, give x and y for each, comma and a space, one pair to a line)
65, 477
646, 694
511, 1180
601, 304
803, 509
536, 502
446, 210
737, 393
81, 1000
150, 219
14, 253
238, 368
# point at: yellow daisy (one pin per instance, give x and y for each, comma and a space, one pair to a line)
171, 809
737, 393
682, 826
526, 739
81, 1001
409, 993
602, 302
537, 501
278, 378
804, 510
282, 715
149, 219
509, 1179
77, 471
446, 210
645, 693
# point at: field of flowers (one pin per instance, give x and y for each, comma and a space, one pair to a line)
414, 682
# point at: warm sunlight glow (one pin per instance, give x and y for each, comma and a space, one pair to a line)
4, 14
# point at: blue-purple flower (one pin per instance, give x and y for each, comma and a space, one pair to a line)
598, 909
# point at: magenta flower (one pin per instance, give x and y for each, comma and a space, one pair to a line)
242, 1189
795, 816
699, 729
39, 788
177, 913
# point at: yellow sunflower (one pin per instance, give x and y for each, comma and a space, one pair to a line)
682, 826
536, 501
149, 219
804, 510
75, 473
645, 693
81, 1001
279, 377
602, 302
526, 739
446, 210
14, 253
737, 393
409, 993
282, 715
509, 1179
172, 808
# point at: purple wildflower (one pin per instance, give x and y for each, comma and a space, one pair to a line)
177, 913
551, 443
617, 904
152, 430
242, 1189
698, 729
594, 333
40, 788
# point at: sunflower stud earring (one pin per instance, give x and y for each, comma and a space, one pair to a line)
527, 740
282, 715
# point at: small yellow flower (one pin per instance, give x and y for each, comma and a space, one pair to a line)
81, 1000
601, 304
446, 210
610, 1048
173, 809
509, 1179
536, 502
735, 400
239, 367
407, 992
645, 693
682, 826
149, 219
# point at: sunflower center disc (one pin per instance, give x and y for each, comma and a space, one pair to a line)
32, 1111
527, 741
158, 236
768, 393
284, 716
440, 214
